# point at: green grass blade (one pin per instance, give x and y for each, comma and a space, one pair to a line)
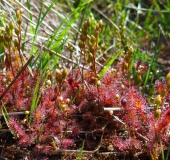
35, 96
73, 15
37, 90
5, 113
134, 73
81, 151
61, 38
168, 153
6, 117
30, 16
149, 71
109, 63
40, 20
158, 8
155, 56
162, 150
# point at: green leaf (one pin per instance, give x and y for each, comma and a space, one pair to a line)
35, 98
81, 151
109, 63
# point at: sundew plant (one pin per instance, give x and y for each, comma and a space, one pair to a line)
74, 97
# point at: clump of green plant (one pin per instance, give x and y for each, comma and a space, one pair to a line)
103, 109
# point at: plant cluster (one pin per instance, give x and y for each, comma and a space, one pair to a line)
105, 109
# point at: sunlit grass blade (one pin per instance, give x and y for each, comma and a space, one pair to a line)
40, 19
158, 8
65, 20
30, 16
109, 63
36, 96
62, 36
38, 89
134, 73
5, 113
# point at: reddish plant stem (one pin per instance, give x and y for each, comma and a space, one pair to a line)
13, 81
19, 47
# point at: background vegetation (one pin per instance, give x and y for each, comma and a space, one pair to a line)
84, 79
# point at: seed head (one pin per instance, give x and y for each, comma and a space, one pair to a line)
157, 113
158, 100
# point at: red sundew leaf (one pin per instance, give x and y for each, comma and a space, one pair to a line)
135, 99
127, 144
19, 130
142, 66
164, 121
138, 63
2, 89
134, 143
21, 103
157, 132
73, 83
48, 93
44, 148
47, 104
10, 75
8, 99
138, 103
108, 100
16, 126
107, 79
131, 119
75, 130
65, 143
161, 87
120, 144
134, 108
39, 114
25, 141
82, 106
